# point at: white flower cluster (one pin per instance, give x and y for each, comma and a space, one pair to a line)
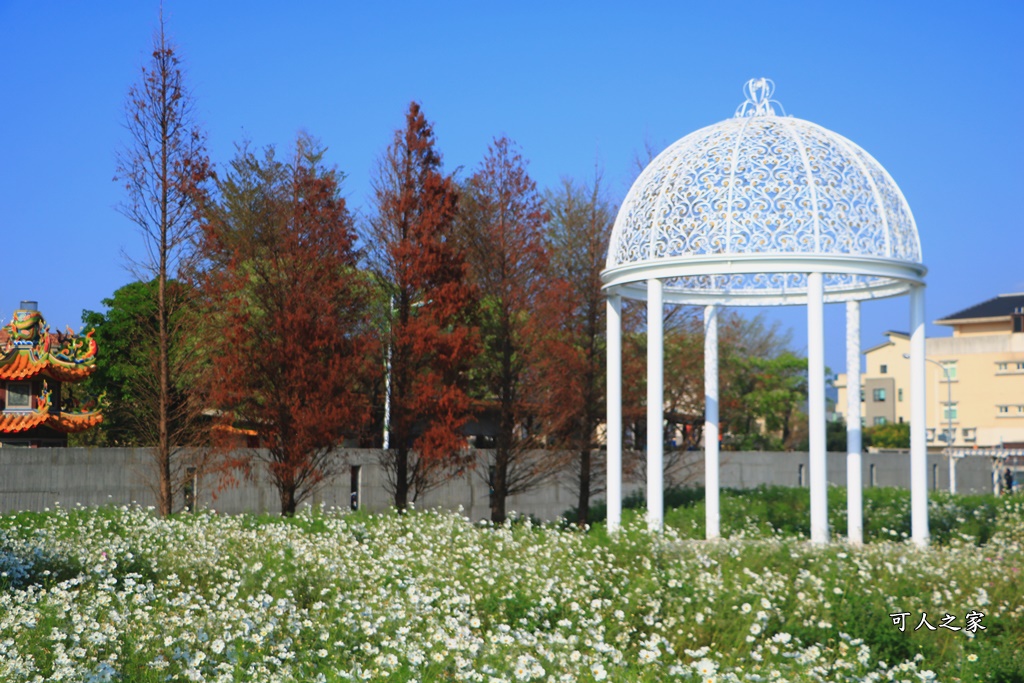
428, 596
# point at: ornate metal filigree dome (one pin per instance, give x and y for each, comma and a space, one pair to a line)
739, 212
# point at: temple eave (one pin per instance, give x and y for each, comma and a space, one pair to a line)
67, 423
20, 371
14, 423
72, 423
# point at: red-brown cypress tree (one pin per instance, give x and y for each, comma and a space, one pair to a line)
574, 368
160, 167
502, 225
290, 315
428, 335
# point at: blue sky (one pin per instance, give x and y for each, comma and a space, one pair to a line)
932, 90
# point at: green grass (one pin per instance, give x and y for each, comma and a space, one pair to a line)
782, 510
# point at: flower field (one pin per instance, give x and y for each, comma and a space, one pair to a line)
117, 594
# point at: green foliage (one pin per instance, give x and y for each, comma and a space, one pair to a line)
835, 437
891, 435
23, 565
764, 386
779, 387
126, 367
501, 228
784, 510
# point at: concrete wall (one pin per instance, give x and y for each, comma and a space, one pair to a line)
36, 478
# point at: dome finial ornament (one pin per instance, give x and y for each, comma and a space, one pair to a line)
759, 100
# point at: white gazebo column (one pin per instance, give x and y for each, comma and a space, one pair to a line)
816, 406
711, 499
918, 445
854, 486
613, 431
655, 405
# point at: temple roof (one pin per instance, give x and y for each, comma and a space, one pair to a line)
46, 415
29, 350
25, 364
68, 423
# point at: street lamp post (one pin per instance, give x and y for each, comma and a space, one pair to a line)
950, 435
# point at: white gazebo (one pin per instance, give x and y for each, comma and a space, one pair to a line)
764, 209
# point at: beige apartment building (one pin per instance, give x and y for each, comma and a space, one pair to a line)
974, 379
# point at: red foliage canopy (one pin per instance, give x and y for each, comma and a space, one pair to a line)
290, 312
429, 335
503, 222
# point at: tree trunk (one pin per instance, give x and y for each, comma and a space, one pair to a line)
506, 426
165, 502
401, 477
499, 485
287, 495
583, 504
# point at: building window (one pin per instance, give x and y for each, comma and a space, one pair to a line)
879, 421
861, 395
1003, 410
949, 411
899, 394
884, 369
1002, 367
930, 434
1020, 366
878, 394
19, 395
949, 370
970, 434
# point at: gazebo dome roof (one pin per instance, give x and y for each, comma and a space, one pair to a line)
739, 212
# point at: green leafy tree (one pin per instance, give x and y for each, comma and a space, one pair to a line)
746, 344
891, 435
127, 374
777, 389
835, 437
763, 385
